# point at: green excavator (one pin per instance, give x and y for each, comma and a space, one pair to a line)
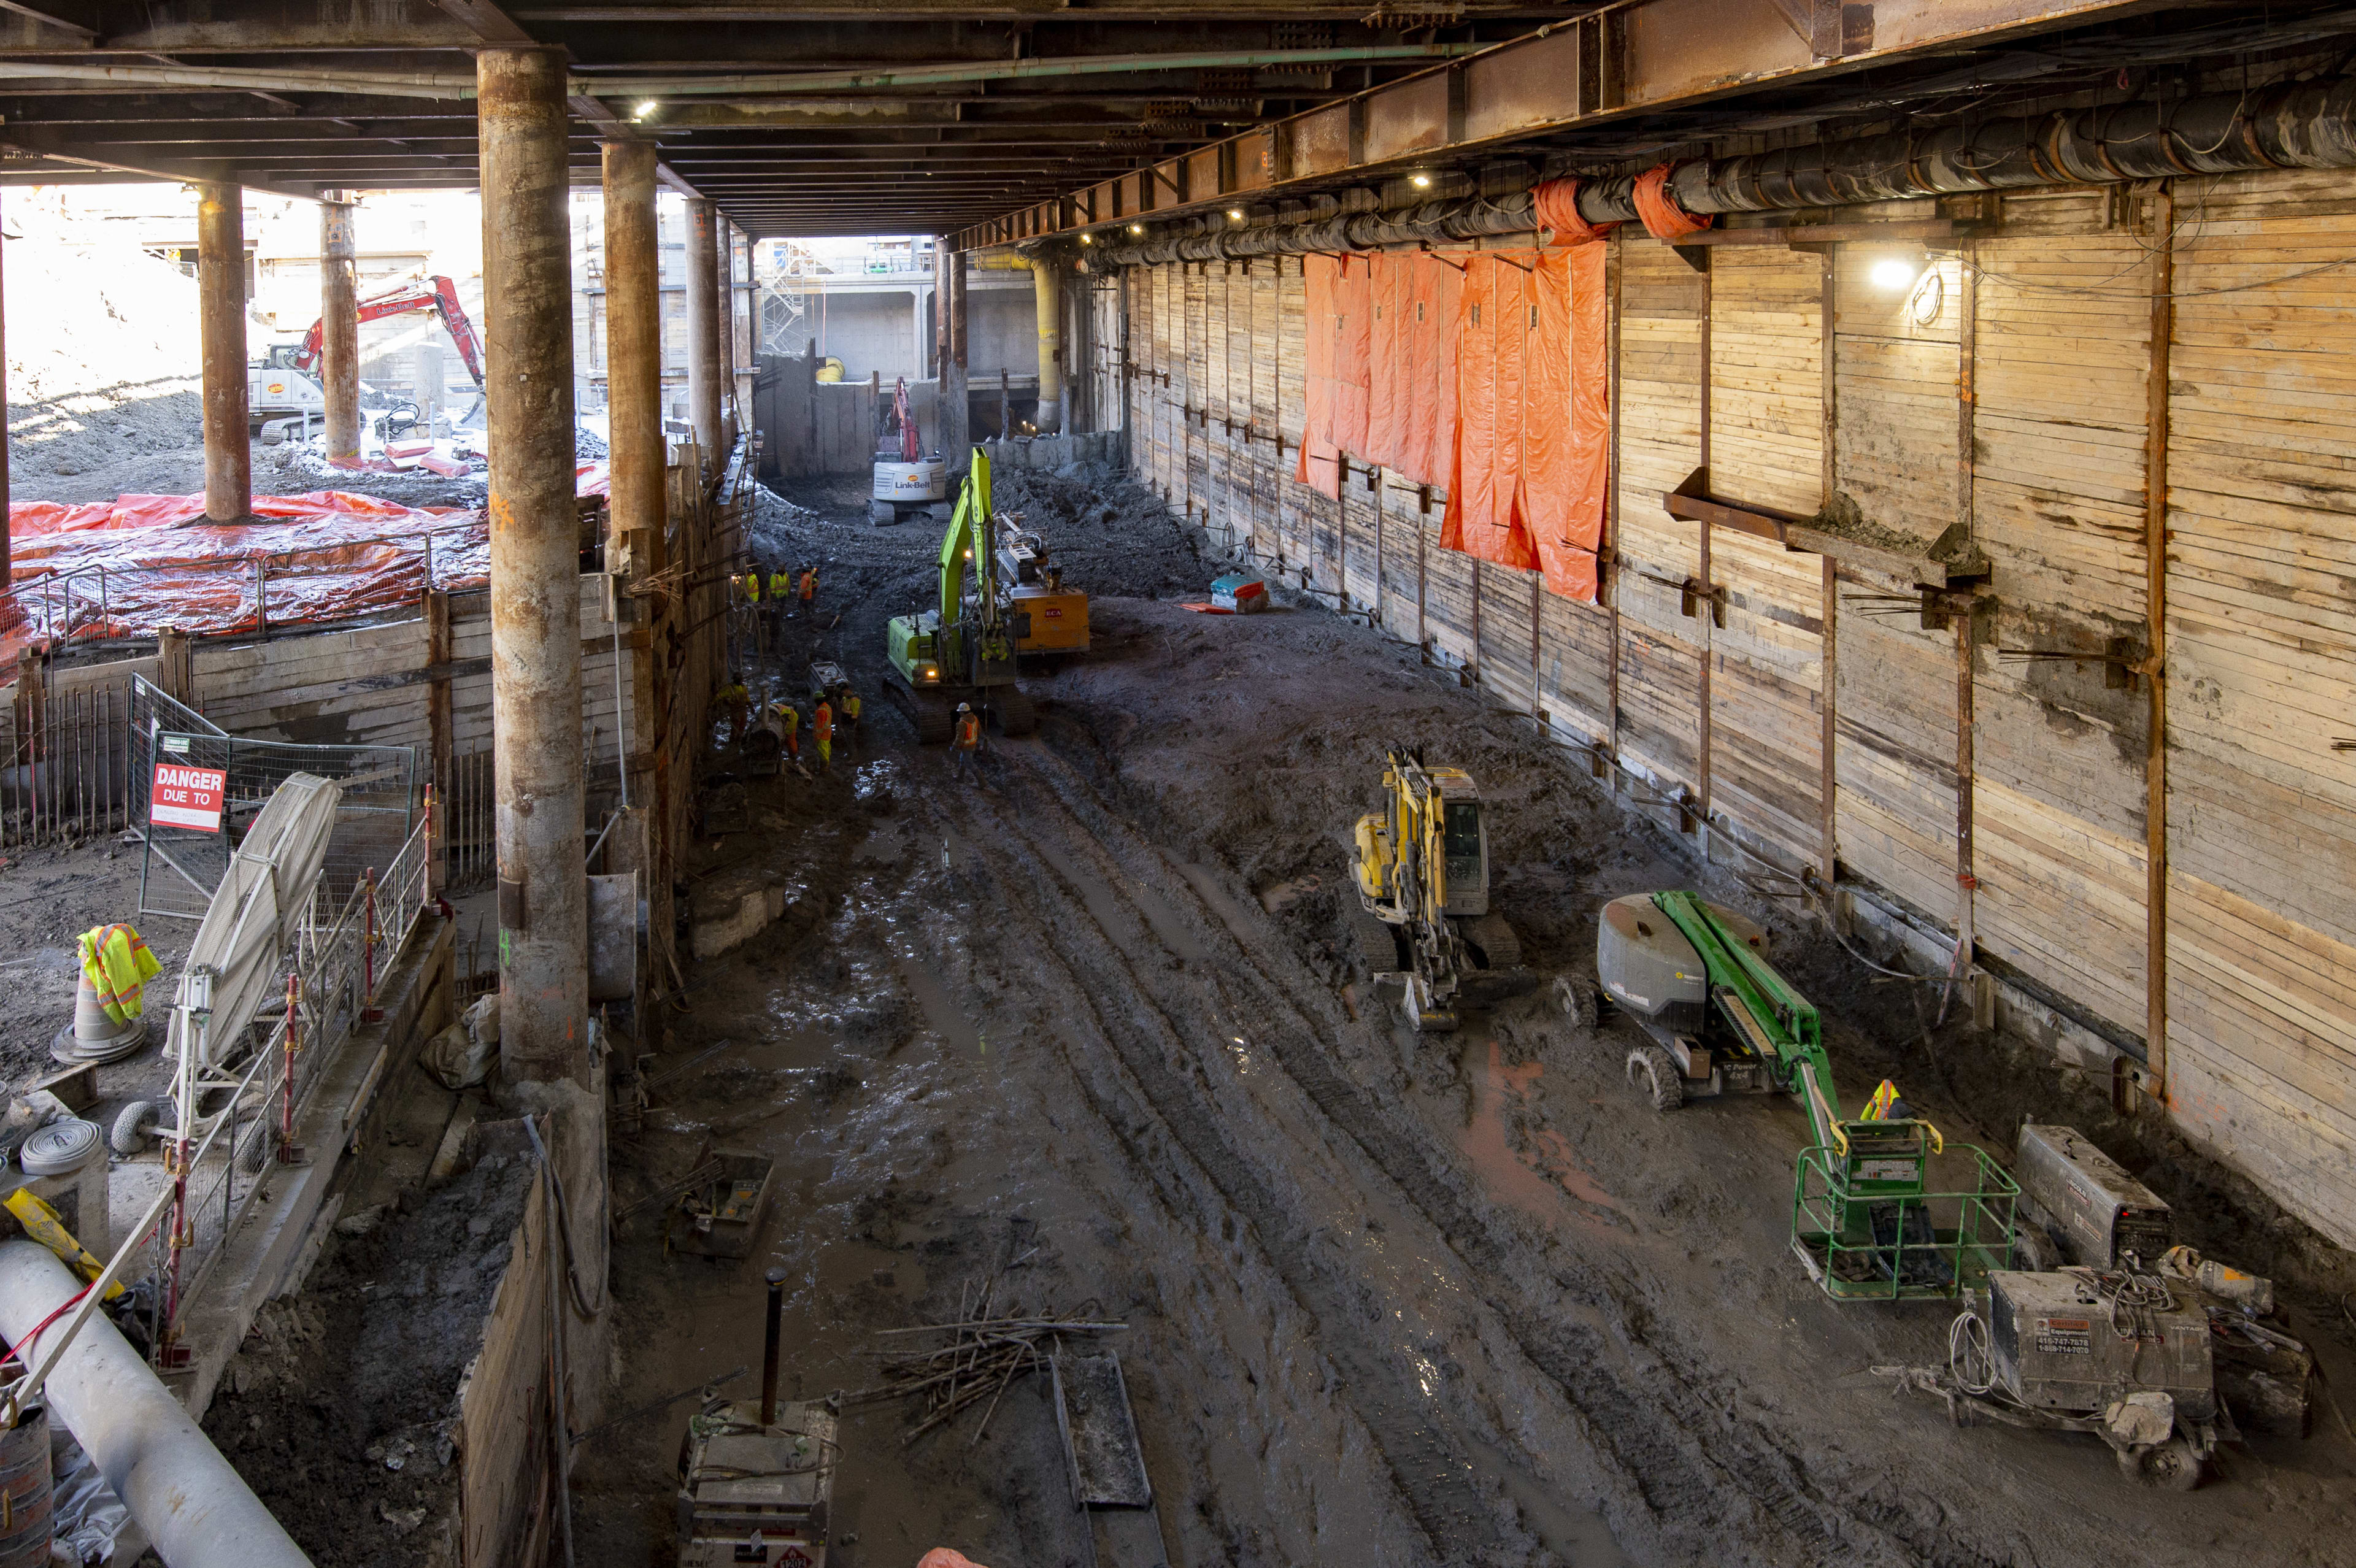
963, 650
1866, 1221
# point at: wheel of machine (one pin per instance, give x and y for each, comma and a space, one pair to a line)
1377, 947
2172, 1465
1493, 935
1651, 1070
1578, 1000
135, 1124
1012, 709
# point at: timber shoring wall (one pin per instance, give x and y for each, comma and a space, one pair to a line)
1962, 785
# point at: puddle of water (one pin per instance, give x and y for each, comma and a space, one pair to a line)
1164, 917
1511, 1176
1578, 1538
942, 1013
1277, 896
1213, 892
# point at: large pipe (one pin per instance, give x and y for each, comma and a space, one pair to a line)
2288, 125
839, 83
339, 329
543, 894
196, 1510
703, 330
220, 324
1047, 298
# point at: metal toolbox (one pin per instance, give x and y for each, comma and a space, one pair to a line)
2100, 1211
2059, 1345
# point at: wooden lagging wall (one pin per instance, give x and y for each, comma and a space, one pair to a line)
2008, 396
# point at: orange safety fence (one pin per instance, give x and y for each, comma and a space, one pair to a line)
129, 567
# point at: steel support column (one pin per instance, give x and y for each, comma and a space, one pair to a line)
221, 314
703, 330
634, 345
535, 570
956, 435
340, 330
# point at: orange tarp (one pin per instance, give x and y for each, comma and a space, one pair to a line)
1320, 467
1430, 321
1486, 517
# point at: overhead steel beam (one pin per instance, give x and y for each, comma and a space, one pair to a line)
1032, 11
1644, 55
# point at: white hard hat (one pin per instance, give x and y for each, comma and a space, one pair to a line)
965, 708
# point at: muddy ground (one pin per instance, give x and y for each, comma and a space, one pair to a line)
1391, 1299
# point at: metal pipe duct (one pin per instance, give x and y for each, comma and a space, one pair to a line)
193, 1506
2289, 125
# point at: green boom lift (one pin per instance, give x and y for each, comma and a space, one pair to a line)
962, 651
1865, 1220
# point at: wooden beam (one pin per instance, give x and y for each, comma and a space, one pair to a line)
2155, 546
1916, 231
1966, 433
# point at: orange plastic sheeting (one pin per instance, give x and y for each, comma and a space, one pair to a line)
1390, 392
1557, 205
1664, 219
1321, 460
1484, 515
1353, 353
1571, 565
130, 567
1430, 318
1534, 422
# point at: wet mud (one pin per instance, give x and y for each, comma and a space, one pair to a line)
1089, 1026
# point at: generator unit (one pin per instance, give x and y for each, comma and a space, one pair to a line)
2061, 1344
756, 1493
2098, 1213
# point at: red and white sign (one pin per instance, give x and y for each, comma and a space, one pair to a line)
187, 797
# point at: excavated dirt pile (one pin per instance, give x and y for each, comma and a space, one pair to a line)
1088, 1025
339, 1409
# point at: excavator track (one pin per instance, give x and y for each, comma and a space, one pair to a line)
1011, 706
933, 713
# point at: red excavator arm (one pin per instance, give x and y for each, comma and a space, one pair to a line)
437, 294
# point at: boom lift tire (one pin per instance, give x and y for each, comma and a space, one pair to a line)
2172, 1465
1651, 1070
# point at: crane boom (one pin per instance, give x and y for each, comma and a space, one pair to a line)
438, 294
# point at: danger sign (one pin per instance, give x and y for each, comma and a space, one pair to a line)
187, 797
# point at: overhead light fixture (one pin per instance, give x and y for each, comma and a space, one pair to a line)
1420, 182
1137, 228
644, 108
1088, 238
1235, 215
1892, 273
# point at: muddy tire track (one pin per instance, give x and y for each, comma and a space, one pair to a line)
1652, 1433
1118, 994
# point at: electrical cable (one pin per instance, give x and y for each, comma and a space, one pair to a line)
564, 1222
1971, 1358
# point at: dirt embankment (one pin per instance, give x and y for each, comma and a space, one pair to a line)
338, 1408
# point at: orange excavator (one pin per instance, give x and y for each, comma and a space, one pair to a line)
437, 294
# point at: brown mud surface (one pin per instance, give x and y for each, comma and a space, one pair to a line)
1089, 1026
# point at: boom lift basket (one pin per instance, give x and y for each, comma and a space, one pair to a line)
1865, 1239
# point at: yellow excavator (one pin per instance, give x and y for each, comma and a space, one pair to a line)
1423, 923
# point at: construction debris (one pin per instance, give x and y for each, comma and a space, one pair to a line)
972, 1358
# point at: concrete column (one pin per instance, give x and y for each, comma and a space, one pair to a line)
956, 433
917, 332
339, 329
703, 330
634, 345
221, 314
1047, 295
535, 580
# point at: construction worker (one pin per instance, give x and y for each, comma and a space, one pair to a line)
849, 710
750, 585
966, 739
780, 586
823, 731
788, 722
809, 591
733, 700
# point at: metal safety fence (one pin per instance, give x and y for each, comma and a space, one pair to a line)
462, 801
342, 950
221, 781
